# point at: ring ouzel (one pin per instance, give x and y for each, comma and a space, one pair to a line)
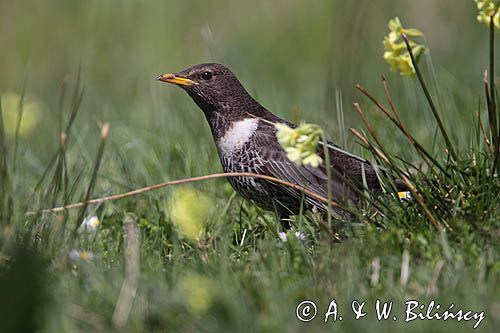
245, 137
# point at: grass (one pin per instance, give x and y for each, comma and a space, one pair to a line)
138, 272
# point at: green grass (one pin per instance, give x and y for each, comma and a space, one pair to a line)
238, 276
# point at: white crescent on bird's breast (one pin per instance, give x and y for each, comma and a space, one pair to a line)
237, 135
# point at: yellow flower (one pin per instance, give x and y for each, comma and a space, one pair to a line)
405, 66
395, 51
286, 134
392, 60
294, 154
404, 195
199, 292
313, 160
486, 8
189, 210
397, 29
300, 143
10, 109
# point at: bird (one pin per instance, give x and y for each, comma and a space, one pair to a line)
244, 132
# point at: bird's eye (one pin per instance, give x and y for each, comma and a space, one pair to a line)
206, 75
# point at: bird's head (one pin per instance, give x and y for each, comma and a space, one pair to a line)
212, 86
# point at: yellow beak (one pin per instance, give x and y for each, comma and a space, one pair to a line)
171, 78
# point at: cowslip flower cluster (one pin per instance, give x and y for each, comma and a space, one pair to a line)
190, 210
396, 54
198, 291
300, 143
32, 113
487, 8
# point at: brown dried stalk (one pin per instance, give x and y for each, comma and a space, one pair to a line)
381, 153
397, 121
485, 136
394, 110
184, 181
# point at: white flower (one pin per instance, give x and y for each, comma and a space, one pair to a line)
90, 224
81, 255
300, 235
283, 236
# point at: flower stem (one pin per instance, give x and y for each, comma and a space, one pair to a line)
329, 181
90, 188
493, 111
429, 100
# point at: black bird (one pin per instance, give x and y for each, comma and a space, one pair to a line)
246, 141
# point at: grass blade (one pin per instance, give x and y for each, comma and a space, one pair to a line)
90, 188
430, 101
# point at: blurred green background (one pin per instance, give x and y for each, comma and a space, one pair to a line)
290, 55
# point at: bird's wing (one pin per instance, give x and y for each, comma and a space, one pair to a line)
356, 169
343, 164
273, 161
